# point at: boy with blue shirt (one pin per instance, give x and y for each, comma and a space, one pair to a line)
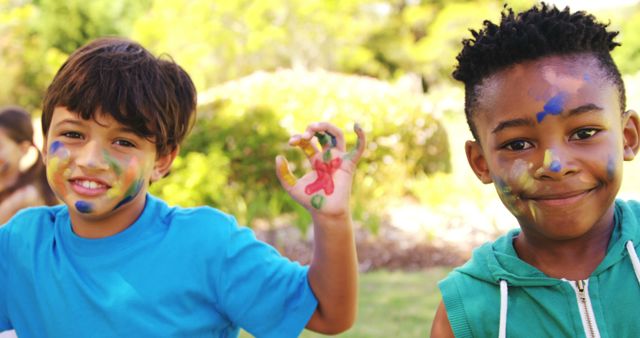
546, 106
114, 261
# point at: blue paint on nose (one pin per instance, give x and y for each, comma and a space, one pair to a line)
84, 207
555, 166
553, 107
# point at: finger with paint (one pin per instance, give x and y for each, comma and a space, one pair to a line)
286, 178
355, 153
304, 144
327, 135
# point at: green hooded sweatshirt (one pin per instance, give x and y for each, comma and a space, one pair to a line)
496, 281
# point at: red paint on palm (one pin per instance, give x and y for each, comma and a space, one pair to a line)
325, 171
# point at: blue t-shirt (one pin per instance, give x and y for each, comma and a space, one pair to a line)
175, 272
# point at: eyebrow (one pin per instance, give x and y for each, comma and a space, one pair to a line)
528, 122
522, 122
80, 123
69, 121
585, 108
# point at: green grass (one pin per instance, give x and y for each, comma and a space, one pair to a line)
393, 304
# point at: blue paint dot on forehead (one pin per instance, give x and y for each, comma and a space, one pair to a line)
55, 145
84, 207
553, 107
555, 166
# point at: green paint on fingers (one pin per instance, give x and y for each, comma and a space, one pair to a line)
326, 156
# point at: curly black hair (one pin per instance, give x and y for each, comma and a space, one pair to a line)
538, 32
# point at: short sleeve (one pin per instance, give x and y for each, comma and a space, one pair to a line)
4, 254
262, 292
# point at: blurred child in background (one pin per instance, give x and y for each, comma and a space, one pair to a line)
19, 188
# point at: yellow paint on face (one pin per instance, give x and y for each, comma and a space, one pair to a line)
286, 174
523, 178
121, 186
58, 170
306, 146
548, 157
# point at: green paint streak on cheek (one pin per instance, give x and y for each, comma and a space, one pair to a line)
113, 163
317, 201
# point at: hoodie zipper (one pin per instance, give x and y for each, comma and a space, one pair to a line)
581, 287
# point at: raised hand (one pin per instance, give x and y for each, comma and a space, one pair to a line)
327, 188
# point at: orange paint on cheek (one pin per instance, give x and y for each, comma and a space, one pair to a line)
57, 168
122, 185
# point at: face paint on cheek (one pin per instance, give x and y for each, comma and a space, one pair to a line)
123, 184
506, 195
57, 167
611, 168
84, 207
129, 182
113, 163
131, 194
522, 177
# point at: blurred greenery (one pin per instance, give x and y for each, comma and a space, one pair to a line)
267, 68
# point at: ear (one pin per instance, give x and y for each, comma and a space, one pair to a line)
477, 161
24, 147
630, 134
163, 164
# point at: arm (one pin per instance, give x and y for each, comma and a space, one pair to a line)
325, 192
441, 327
23, 198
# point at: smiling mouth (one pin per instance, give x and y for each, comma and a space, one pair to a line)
560, 199
88, 187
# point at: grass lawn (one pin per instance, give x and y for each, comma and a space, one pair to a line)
394, 304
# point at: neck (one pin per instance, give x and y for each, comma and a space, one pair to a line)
573, 259
116, 221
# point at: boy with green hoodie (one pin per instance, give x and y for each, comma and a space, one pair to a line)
546, 106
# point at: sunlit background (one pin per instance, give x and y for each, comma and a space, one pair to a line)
264, 69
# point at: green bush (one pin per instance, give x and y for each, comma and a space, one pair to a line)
242, 125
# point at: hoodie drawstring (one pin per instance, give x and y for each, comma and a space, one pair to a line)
504, 297
634, 259
504, 291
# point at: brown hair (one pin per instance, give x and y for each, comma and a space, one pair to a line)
153, 96
16, 123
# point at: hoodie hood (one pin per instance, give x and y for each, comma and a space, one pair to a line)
497, 261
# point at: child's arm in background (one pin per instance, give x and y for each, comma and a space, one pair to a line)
325, 192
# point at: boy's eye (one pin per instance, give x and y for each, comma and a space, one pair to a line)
584, 133
518, 145
71, 134
124, 143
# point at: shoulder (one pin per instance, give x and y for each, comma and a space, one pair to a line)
32, 224
628, 207
202, 222
629, 214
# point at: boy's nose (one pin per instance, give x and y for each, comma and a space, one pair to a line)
91, 156
555, 165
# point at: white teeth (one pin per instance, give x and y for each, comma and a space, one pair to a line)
90, 184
